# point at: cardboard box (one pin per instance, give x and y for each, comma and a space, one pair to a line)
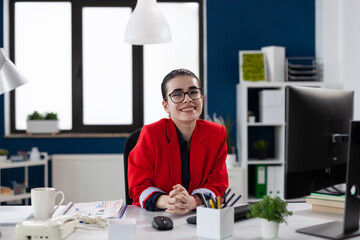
5, 190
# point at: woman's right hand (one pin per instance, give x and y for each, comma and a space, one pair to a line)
180, 201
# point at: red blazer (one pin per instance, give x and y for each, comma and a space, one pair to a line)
155, 161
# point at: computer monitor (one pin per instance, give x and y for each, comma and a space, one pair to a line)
317, 127
337, 146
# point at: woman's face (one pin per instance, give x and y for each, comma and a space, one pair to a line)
188, 110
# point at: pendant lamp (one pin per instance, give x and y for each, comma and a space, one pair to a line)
10, 77
147, 25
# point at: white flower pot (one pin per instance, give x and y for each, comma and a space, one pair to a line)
42, 126
269, 229
251, 119
231, 160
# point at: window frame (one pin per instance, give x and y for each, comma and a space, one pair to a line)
77, 74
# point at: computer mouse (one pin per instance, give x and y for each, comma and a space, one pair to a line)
162, 223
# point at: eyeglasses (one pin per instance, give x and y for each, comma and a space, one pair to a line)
178, 97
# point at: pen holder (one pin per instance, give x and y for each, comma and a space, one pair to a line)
215, 223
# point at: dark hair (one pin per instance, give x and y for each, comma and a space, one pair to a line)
173, 74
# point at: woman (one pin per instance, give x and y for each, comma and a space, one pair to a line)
177, 159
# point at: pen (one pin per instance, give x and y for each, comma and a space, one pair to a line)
211, 203
218, 200
204, 200
226, 193
229, 200
235, 200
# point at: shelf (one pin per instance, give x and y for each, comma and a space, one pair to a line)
247, 99
259, 124
9, 164
264, 162
26, 165
5, 198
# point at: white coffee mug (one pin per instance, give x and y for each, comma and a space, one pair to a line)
43, 202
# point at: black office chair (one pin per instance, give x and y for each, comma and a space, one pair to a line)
129, 145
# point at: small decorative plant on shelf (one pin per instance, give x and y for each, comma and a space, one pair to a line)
51, 116
251, 117
3, 154
260, 147
228, 124
42, 123
272, 211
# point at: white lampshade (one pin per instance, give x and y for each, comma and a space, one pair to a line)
147, 25
10, 77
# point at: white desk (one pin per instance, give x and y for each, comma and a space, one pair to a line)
248, 229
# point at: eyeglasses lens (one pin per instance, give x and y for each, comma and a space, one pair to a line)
178, 97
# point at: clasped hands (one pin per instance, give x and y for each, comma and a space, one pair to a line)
179, 201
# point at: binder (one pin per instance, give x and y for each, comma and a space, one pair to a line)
279, 179
271, 181
260, 181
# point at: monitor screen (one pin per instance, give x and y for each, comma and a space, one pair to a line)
317, 123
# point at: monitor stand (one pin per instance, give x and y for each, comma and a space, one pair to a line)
331, 230
350, 227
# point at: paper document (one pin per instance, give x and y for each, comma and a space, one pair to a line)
103, 209
9, 214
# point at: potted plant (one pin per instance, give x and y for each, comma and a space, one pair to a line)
260, 147
3, 155
42, 123
251, 117
272, 212
228, 123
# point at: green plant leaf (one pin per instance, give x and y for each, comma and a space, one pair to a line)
273, 209
51, 116
260, 145
35, 116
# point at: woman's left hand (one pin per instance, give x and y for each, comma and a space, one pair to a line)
181, 201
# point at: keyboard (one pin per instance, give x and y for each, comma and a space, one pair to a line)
240, 213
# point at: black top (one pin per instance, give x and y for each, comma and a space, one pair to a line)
185, 172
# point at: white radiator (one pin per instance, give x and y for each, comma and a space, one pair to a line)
89, 177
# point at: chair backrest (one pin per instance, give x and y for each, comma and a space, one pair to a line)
129, 145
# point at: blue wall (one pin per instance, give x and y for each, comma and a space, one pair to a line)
235, 25
232, 25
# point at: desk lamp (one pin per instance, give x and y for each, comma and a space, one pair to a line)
10, 77
147, 25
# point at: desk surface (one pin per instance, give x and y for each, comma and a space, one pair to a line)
248, 229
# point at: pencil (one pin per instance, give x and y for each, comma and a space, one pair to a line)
211, 203
218, 201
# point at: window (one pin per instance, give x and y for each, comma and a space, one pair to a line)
74, 55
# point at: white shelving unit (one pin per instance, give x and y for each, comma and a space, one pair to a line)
245, 92
24, 164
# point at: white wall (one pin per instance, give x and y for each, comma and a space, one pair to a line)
338, 45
